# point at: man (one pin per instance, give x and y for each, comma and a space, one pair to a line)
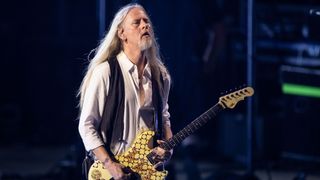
125, 90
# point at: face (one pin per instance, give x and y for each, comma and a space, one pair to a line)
135, 31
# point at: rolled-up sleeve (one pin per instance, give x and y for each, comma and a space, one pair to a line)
93, 107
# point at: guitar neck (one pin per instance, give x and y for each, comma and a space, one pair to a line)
192, 127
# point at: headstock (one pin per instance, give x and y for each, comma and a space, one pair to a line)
230, 100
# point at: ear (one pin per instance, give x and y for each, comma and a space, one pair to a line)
121, 34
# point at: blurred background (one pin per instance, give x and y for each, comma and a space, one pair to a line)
44, 53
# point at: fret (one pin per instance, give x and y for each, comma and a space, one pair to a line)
194, 124
199, 122
179, 136
166, 146
171, 143
183, 133
202, 121
187, 131
190, 128
204, 118
174, 140
177, 139
212, 112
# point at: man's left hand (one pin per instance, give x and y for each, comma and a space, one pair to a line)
162, 155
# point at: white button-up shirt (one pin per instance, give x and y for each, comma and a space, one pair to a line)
136, 117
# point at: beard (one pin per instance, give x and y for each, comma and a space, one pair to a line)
145, 44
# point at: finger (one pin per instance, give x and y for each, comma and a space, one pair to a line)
160, 141
159, 151
159, 158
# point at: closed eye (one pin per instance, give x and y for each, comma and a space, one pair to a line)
138, 21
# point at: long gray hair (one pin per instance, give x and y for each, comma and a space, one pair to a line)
111, 45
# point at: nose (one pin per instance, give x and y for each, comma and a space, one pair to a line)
145, 25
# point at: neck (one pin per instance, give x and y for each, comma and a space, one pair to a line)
138, 58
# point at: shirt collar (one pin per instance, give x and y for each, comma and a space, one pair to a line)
125, 62
130, 67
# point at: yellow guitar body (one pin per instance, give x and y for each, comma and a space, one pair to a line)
134, 158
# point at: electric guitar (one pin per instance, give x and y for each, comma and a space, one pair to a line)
140, 159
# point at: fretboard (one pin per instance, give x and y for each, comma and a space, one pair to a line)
192, 127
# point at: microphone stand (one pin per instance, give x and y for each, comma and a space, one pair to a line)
250, 81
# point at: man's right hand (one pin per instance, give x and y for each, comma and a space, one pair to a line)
116, 170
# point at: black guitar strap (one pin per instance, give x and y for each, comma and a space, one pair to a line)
157, 94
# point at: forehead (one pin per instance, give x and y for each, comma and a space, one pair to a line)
136, 13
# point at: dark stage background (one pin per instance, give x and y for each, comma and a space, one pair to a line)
44, 49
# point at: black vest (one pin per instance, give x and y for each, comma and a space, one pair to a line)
112, 118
